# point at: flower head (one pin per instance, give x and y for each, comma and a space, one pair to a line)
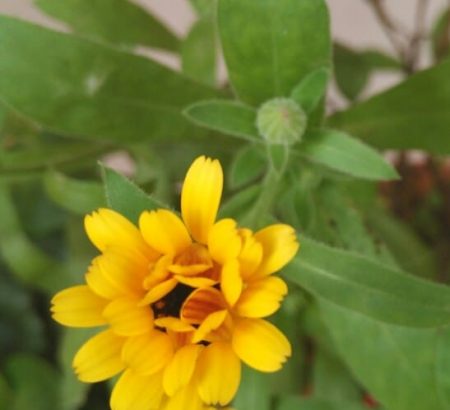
182, 301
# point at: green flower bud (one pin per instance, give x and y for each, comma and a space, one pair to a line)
281, 121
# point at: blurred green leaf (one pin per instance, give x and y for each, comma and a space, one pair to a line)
440, 35
73, 392
269, 46
350, 70
79, 197
343, 153
407, 248
36, 159
125, 197
297, 403
91, 90
248, 164
5, 394
332, 380
30, 264
227, 117
199, 53
369, 287
374, 350
203, 7
254, 391
311, 89
21, 328
240, 203
35, 383
114, 21
413, 114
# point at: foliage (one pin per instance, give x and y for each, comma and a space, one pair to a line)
365, 314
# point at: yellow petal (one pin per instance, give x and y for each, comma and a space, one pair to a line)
179, 371
200, 304
164, 231
251, 253
114, 274
196, 282
186, 398
106, 227
99, 358
231, 282
127, 318
219, 373
78, 306
260, 344
159, 291
279, 247
149, 353
174, 324
212, 322
136, 392
200, 197
262, 297
224, 242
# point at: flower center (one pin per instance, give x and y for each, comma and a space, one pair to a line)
170, 305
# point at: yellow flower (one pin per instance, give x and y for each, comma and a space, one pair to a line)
182, 301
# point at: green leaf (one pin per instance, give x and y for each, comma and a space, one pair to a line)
228, 117
413, 114
333, 380
199, 53
203, 7
80, 197
414, 357
440, 35
343, 153
409, 251
29, 263
5, 394
239, 205
80, 88
35, 382
254, 391
73, 392
369, 287
269, 46
125, 197
248, 164
297, 403
351, 71
114, 21
311, 89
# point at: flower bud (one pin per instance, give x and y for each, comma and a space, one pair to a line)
281, 121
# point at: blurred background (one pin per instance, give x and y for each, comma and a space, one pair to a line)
353, 22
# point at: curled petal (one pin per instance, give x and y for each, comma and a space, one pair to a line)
159, 291
200, 304
200, 197
136, 392
251, 253
174, 324
99, 358
78, 306
219, 373
262, 297
260, 344
279, 244
231, 281
212, 322
164, 231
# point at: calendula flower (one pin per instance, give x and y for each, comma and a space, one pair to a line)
182, 301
